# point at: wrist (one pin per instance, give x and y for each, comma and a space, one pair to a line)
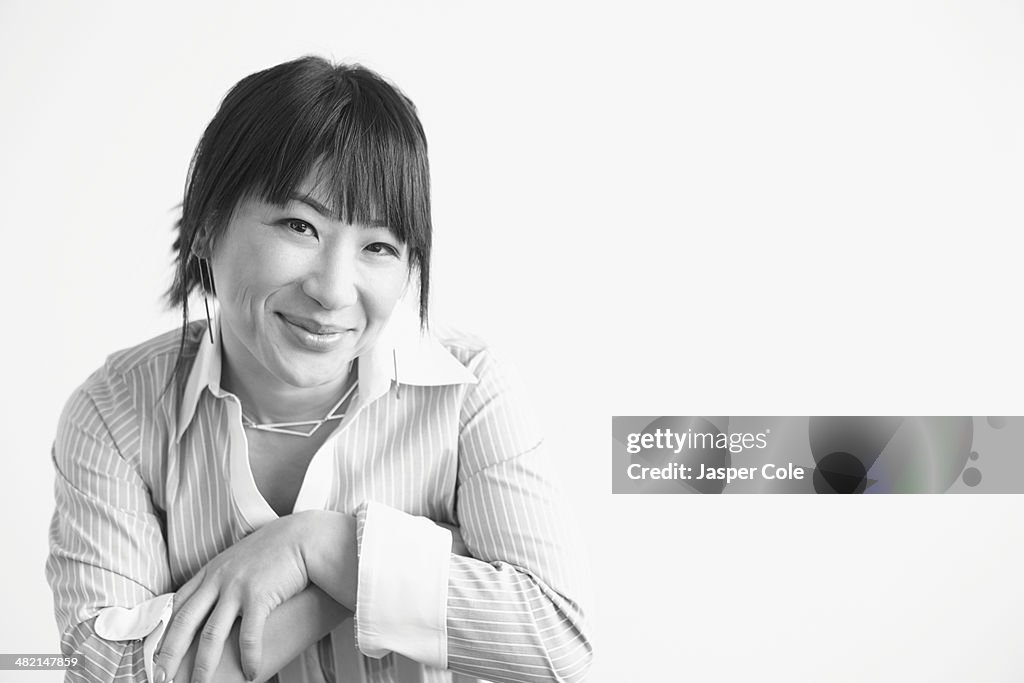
328, 548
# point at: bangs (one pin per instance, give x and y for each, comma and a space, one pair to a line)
363, 143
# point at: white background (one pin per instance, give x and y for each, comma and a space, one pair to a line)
720, 208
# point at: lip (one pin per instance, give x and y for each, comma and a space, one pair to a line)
313, 326
312, 335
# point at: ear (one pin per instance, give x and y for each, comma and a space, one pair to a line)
202, 244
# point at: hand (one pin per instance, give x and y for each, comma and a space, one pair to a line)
251, 578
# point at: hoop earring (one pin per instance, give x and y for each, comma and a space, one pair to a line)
206, 281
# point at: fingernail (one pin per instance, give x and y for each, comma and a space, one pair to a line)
160, 676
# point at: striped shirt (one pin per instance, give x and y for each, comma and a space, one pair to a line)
150, 487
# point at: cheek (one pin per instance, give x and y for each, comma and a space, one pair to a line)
255, 271
386, 293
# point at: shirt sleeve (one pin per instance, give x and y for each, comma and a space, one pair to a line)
107, 564
403, 575
512, 612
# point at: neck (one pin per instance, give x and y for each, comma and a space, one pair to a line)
267, 399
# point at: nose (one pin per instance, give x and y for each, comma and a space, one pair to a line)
333, 280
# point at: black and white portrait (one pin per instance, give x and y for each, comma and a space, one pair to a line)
318, 317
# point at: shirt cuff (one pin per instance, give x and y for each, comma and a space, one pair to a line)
401, 605
146, 620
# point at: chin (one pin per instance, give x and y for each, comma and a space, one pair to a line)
308, 375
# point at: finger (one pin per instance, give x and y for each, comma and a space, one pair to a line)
182, 595
250, 638
212, 639
185, 622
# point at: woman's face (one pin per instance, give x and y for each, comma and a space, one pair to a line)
301, 293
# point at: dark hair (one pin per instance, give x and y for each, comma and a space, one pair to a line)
356, 130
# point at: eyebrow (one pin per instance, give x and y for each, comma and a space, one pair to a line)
311, 203
324, 211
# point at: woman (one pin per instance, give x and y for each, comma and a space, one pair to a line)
308, 482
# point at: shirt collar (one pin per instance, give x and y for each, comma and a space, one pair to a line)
402, 354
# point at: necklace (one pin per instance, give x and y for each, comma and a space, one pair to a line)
303, 428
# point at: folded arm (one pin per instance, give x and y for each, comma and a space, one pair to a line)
108, 564
290, 629
511, 612
516, 611
106, 547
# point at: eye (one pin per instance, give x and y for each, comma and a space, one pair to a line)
299, 227
383, 249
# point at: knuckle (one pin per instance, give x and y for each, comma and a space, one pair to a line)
257, 603
186, 614
249, 641
210, 634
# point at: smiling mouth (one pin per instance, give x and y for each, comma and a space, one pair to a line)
313, 327
312, 336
